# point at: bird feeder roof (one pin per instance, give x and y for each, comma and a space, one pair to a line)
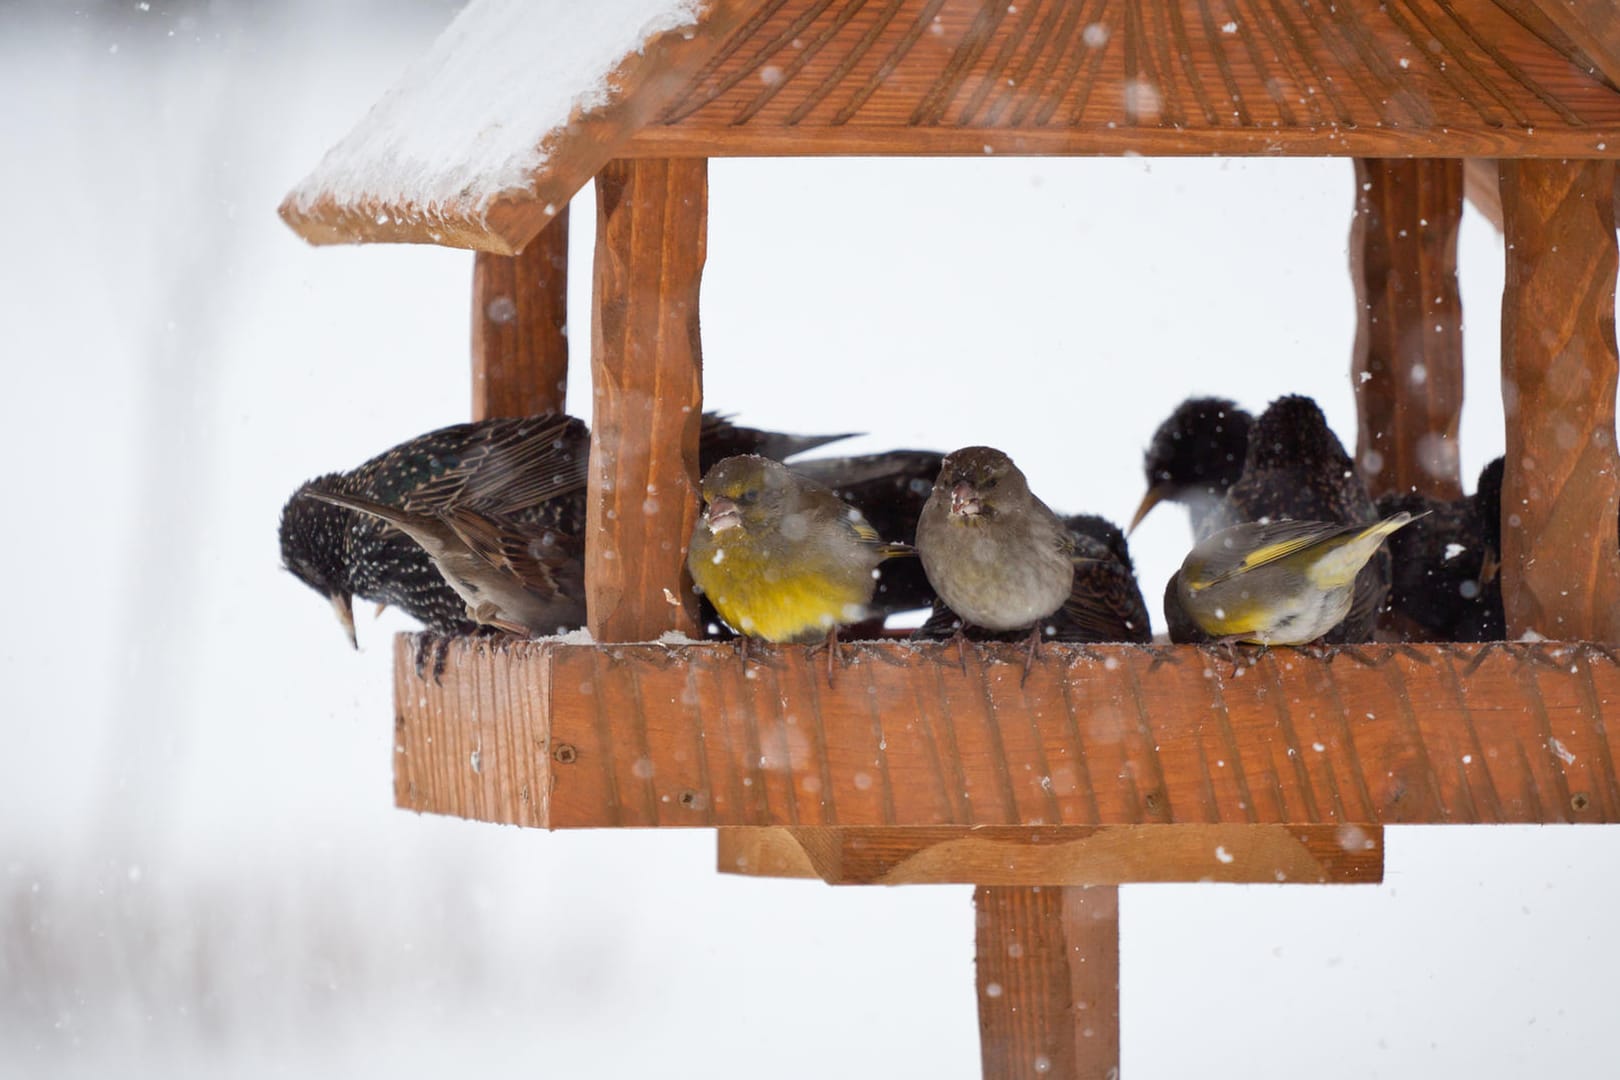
519, 102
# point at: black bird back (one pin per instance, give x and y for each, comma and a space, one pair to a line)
1443, 586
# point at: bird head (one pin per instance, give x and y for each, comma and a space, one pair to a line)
746, 491
1197, 452
1293, 431
315, 546
979, 482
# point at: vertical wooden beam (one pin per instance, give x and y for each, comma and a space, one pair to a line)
647, 390
1560, 489
520, 327
1048, 980
1407, 368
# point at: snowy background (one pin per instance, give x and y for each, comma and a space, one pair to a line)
201, 870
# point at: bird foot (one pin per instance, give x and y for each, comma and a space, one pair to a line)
835, 653
1034, 643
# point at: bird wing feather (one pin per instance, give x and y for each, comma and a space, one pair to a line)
535, 556
1285, 538
515, 467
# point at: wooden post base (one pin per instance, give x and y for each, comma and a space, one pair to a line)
1048, 981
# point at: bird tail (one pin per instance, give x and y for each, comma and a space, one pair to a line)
1348, 552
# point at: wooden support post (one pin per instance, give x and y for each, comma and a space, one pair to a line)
1407, 369
647, 387
520, 327
1048, 981
1560, 490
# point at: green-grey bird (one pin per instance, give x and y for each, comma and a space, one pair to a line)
994, 553
1276, 583
780, 556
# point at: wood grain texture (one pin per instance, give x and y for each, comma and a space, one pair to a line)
1099, 735
1482, 188
1427, 78
1362, 77
1561, 487
504, 222
1047, 970
1407, 370
1059, 855
520, 327
647, 390
1592, 27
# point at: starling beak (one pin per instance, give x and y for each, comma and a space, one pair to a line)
526, 474
1443, 583
1195, 455
1104, 603
1297, 470
343, 604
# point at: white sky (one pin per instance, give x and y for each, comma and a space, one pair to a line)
201, 872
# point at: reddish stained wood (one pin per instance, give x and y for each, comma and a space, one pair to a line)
504, 222
1407, 368
520, 327
1481, 188
1561, 488
647, 387
1047, 965
1127, 735
1591, 26
1424, 78
1058, 855
955, 76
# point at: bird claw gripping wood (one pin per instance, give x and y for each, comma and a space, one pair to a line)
1029, 653
437, 646
834, 652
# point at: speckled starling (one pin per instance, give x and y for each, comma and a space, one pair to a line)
1443, 583
528, 472
1296, 469
1195, 456
1104, 604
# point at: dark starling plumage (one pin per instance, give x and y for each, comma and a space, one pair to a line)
1296, 469
1195, 456
1443, 582
1104, 604
527, 472
523, 578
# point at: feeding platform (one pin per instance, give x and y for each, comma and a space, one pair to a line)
1110, 764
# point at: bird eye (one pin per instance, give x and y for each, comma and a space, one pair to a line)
748, 497
990, 483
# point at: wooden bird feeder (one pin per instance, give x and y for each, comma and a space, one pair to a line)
1112, 764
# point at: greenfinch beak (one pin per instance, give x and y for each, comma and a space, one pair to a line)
965, 500
722, 514
1155, 495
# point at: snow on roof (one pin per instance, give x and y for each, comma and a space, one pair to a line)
467, 123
